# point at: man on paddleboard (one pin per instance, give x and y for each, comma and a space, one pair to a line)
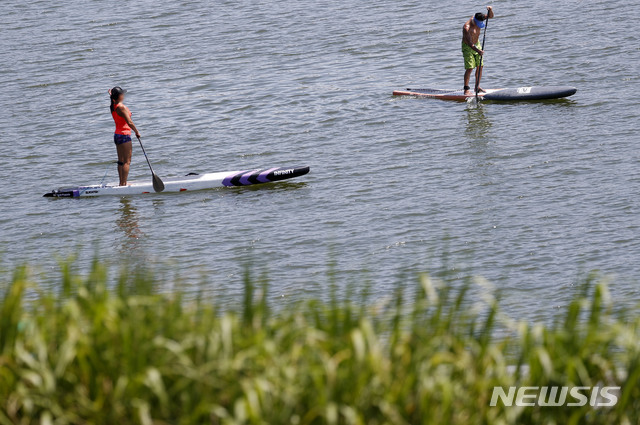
471, 48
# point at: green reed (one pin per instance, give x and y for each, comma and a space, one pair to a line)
88, 353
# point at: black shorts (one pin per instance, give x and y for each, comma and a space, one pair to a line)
120, 139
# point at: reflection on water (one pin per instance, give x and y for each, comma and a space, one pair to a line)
478, 132
477, 125
128, 222
159, 207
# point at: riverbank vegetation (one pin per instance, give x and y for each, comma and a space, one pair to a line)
92, 352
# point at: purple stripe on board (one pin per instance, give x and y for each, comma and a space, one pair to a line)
262, 178
244, 180
227, 180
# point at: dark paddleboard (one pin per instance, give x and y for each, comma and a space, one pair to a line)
532, 93
504, 95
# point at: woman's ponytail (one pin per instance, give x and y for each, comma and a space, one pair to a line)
115, 94
113, 102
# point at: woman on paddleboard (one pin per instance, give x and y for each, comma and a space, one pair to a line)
122, 137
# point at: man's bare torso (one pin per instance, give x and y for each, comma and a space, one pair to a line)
472, 30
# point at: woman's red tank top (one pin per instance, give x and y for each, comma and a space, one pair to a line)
121, 124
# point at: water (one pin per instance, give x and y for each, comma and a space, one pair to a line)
531, 196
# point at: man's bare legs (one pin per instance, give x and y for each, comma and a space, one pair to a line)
478, 74
467, 77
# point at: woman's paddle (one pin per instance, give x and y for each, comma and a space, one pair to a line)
479, 69
158, 186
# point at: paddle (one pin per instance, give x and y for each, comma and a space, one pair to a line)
158, 186
479, 69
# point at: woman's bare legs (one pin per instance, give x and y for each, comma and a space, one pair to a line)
124, 161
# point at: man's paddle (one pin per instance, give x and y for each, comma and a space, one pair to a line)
479, 69
158, 186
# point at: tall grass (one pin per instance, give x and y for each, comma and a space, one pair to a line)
89, 354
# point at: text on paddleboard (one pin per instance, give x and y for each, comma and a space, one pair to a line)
282, 172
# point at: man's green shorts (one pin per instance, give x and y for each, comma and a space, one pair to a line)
471, 57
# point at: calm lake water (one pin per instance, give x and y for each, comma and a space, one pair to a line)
529, 195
